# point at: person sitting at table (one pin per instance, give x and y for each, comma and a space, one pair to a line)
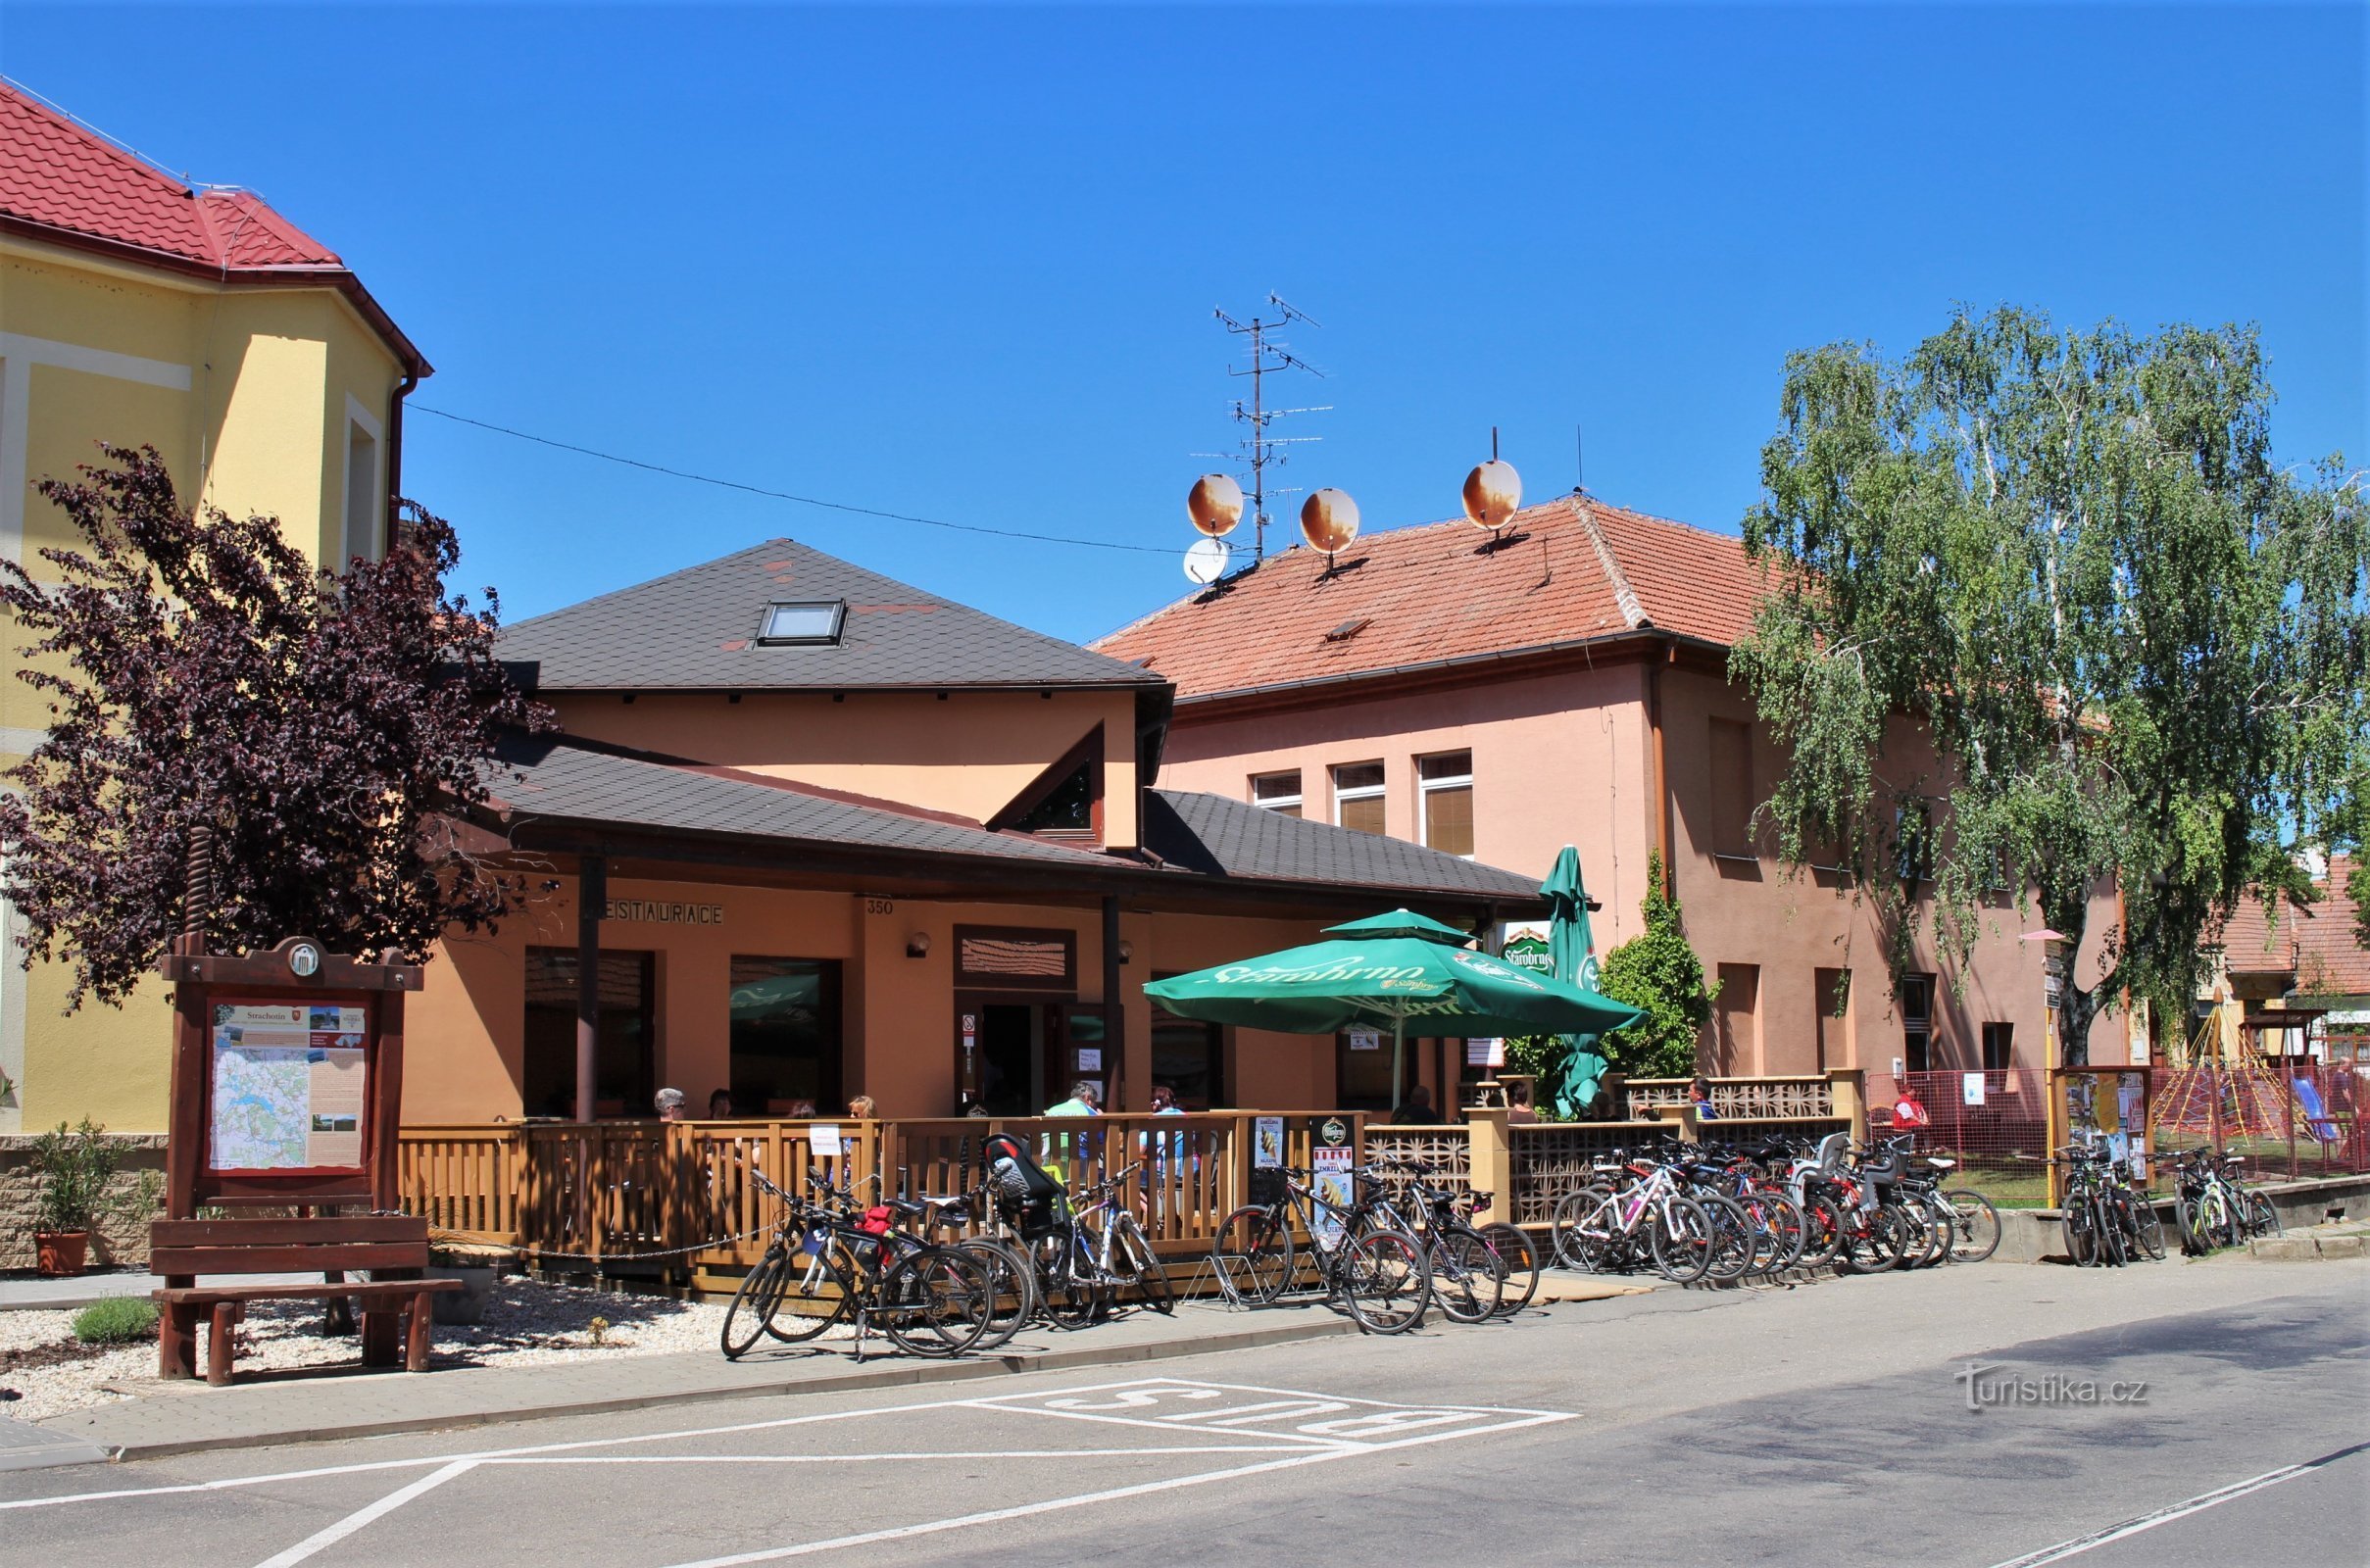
1417, 1112
719, 1104
1518, 1111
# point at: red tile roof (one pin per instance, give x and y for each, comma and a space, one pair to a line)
2317, 943
1572, 569
57, 172
64, 181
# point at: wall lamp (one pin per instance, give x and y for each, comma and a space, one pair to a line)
1127, 949
917, 946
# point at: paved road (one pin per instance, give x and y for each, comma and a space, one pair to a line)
1830, 1425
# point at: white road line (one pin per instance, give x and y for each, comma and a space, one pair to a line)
362, 1467
1113, 1495
2178, 1510
884, 1458
362, 1516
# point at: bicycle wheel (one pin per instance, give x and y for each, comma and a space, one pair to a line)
1066, 1283
1873, 1240
1734, 1247
1924, 1240
1779, 1227
1012, 1279
1572, 1250
1133, 1252
1467, 1279
1518, 1255
2081, 1238
1383, 1280
2215, 1225
2262, 1218
1252, 1255
1582, 1230
2111, 1222
1974, 1226
1823, 1226
1680, 1235
2148, 1227
935, 1301
753, 1305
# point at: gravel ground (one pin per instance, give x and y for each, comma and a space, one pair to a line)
525, 1323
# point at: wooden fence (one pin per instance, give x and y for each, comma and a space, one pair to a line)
688, 1203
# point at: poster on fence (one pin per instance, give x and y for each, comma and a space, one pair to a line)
1332, 1182
823, 1140
1266, 1141
1970, 1088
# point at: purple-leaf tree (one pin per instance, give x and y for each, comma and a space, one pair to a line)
199, 669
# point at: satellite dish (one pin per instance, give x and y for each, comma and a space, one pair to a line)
1329, 519
1206, 560
1214, 504
1493, 492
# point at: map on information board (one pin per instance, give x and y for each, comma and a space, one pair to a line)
287, 1084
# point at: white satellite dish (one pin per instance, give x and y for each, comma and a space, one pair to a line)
1206, 560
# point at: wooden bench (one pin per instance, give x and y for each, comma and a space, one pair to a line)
394, 1247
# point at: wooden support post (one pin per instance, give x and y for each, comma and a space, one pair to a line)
1492, 1160
176, 1340
1114, 1010
417, 1335
1847, 1087
592, 901
220, 1340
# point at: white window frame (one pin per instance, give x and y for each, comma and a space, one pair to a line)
373, 543
1379, 791
1298, 798
1423, 795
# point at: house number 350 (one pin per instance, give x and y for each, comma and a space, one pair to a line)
880, 907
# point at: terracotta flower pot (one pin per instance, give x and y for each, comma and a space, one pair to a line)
61, 1252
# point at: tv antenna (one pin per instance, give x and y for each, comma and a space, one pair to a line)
1259, 450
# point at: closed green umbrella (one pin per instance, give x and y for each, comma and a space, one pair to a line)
1330, 986
1571, 949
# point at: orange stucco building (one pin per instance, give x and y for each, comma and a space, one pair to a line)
806, 832
1567, 683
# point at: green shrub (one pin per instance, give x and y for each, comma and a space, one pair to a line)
117, 1322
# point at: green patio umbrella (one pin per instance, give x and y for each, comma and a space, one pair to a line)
1330, 986
1571, 949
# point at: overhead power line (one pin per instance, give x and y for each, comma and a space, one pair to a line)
784, 495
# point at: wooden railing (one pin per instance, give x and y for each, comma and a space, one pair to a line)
1807, 1095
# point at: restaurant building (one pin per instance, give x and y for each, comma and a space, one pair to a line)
1566, 682
806, 833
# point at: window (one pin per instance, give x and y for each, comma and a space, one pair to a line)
1189, 1059
1831, 990
1999, 1046
1279, 793
1917, 1022
1446, 785
811, 623
784, 1023
624, 1043
364, 509
1914, 841
1067, 808
1731, 767
1736, 1022
1357, 795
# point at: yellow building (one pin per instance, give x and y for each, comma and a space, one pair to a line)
136, 309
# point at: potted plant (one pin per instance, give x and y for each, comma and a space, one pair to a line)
73, 1167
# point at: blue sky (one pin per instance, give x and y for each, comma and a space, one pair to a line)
961, 264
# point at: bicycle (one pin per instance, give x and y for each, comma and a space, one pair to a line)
2211, 1209
1382, 1278
1080, 1269
1468, 1276
1598, 1229
928, 1301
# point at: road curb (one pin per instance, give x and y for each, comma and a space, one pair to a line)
903, 1374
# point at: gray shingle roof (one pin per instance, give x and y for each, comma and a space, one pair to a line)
1219, 836
1199, 836
550, 777
696, 630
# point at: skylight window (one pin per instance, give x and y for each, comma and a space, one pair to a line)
807, 623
